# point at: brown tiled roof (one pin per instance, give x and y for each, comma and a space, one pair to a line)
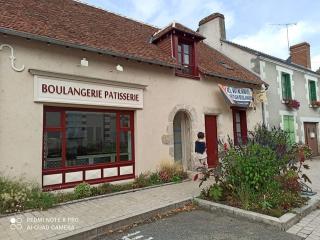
70, 23
179, 27
80, 24
214, 63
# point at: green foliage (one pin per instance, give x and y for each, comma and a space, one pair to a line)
253, 166
40, 200
17, 195
82, 190
215, 192
176, 179
263, 175
154, 178
143, 180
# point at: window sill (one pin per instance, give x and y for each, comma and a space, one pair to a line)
187, 76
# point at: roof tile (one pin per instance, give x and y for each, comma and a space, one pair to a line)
78, 24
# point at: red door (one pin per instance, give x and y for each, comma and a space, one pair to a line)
211, 140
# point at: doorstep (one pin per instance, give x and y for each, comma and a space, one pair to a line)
284, 222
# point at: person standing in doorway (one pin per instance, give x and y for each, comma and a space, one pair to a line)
201, 151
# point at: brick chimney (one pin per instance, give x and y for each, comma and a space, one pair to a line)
300, 54
212, 28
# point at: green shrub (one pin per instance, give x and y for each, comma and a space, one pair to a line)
176, 179
263, 175
143, 180
253, 166
40, 200
82, 190
154, 178
215, 192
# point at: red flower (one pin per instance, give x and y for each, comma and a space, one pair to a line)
225, 146
195, 178
293, 103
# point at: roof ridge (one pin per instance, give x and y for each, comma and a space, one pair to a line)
117, 14
257, 75
171, 24
285, 61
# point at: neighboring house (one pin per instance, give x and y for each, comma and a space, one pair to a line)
88, 95
288, 80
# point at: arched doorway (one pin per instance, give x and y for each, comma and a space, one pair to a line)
182, 140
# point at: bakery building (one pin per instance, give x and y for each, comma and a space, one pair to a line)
88, 95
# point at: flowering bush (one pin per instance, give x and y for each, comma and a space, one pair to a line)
16, 196
315, 104
292, 103
262, 175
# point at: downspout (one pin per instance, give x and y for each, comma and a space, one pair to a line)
263, 106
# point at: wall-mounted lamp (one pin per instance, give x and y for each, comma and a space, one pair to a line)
84, 62
119, 68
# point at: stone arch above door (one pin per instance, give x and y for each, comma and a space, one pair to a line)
167, 139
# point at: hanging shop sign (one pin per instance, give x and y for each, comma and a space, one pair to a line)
77, 92
240, 97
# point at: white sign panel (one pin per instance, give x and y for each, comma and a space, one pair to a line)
75, 92
237, 96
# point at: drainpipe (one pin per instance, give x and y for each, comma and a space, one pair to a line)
263, 106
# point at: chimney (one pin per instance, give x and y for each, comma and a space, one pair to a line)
212, 28
300, 54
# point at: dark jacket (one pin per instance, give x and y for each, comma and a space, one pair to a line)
200, 147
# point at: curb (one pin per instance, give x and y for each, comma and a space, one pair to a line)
284, 222
96, 197
100, 230
119, 193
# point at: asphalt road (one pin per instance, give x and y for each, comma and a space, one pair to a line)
202, 225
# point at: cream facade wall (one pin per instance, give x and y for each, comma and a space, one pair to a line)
270, 72
21, 119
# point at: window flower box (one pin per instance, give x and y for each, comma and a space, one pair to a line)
315, 104
291, 103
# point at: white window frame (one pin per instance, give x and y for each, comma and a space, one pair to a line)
281, 70
311, 78
309, 120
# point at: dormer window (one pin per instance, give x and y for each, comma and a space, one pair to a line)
181, 43
185, 58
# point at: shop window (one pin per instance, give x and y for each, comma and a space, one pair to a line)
239, 126
80, 138
286, 86
288, 126
312, 91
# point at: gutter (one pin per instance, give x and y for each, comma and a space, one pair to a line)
83, 47
272, 59
233, 79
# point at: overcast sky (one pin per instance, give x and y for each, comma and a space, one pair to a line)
248, 22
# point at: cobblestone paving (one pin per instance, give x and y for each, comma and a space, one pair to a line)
309, 226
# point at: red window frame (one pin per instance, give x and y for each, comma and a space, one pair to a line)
65, 169
192, 66
243, 126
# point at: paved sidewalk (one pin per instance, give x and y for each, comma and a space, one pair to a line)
60, 221
309, 226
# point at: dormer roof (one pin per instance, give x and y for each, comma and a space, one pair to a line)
174, 26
